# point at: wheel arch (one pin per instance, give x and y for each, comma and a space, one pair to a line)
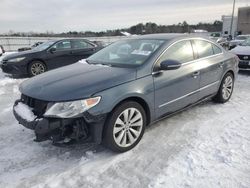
139, 100
36, 59
228, 71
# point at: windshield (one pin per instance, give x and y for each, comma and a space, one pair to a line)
126, 53
44, 46
246, 42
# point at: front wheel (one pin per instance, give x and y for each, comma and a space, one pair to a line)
36, 67
226, 89
125, 127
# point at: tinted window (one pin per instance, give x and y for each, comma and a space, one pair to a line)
80, 44
204, 48
63, 45
181, 51
216, 49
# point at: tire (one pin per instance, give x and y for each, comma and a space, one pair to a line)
36, 67
226, 89
121, 135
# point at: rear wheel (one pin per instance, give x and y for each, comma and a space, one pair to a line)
226, 89
36, 67
125, 127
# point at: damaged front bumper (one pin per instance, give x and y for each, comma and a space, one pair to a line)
87, 127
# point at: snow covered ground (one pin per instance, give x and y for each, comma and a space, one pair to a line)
205, 146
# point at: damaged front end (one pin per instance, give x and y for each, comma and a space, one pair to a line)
84, 126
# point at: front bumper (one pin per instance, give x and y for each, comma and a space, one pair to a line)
13, 69
244, 64
87, 127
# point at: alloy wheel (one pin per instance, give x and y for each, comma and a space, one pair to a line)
227, 87
37, 68
128, 127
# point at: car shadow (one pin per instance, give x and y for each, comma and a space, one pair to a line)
244, 72
15, 76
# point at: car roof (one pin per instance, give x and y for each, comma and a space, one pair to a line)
174, 36
163, 36
62, 39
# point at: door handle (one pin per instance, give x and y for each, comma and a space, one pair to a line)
196, 74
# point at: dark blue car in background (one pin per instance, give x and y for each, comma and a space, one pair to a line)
47, 56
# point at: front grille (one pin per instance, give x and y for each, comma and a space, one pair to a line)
38, 106
4, 62
244, 57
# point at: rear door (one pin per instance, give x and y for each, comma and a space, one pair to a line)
61, 56
81, 49
211, 61
175, 89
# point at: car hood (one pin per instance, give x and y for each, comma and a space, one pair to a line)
77, 81
20, 54
241, 50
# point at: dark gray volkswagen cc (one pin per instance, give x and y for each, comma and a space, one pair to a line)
113, 95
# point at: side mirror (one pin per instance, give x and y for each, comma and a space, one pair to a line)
52, 50
170, 65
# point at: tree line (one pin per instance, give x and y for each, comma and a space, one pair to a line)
138, 29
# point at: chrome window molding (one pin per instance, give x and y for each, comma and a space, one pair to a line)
189, 62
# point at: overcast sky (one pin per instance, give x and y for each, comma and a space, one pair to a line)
97, 15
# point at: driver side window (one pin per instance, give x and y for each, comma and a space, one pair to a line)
181, 51
63, 45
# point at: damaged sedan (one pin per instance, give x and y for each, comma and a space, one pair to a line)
113, 95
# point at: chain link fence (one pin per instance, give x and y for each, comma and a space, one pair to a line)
14, 43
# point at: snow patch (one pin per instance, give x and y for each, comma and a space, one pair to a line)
24, 111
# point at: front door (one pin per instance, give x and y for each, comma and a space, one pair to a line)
175, 89
61, 56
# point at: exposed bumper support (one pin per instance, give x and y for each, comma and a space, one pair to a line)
56, 129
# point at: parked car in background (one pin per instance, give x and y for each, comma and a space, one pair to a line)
237, 40
1, 50
112, 96
243, 52
223, 41
29, 48
99, 43
47, 56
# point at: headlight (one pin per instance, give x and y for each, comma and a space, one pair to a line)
16, 59
71, 109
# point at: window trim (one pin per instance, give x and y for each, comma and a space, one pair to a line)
153, 71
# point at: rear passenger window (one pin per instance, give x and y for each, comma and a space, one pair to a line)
216, 49
80, 44
204, 48
181, 51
